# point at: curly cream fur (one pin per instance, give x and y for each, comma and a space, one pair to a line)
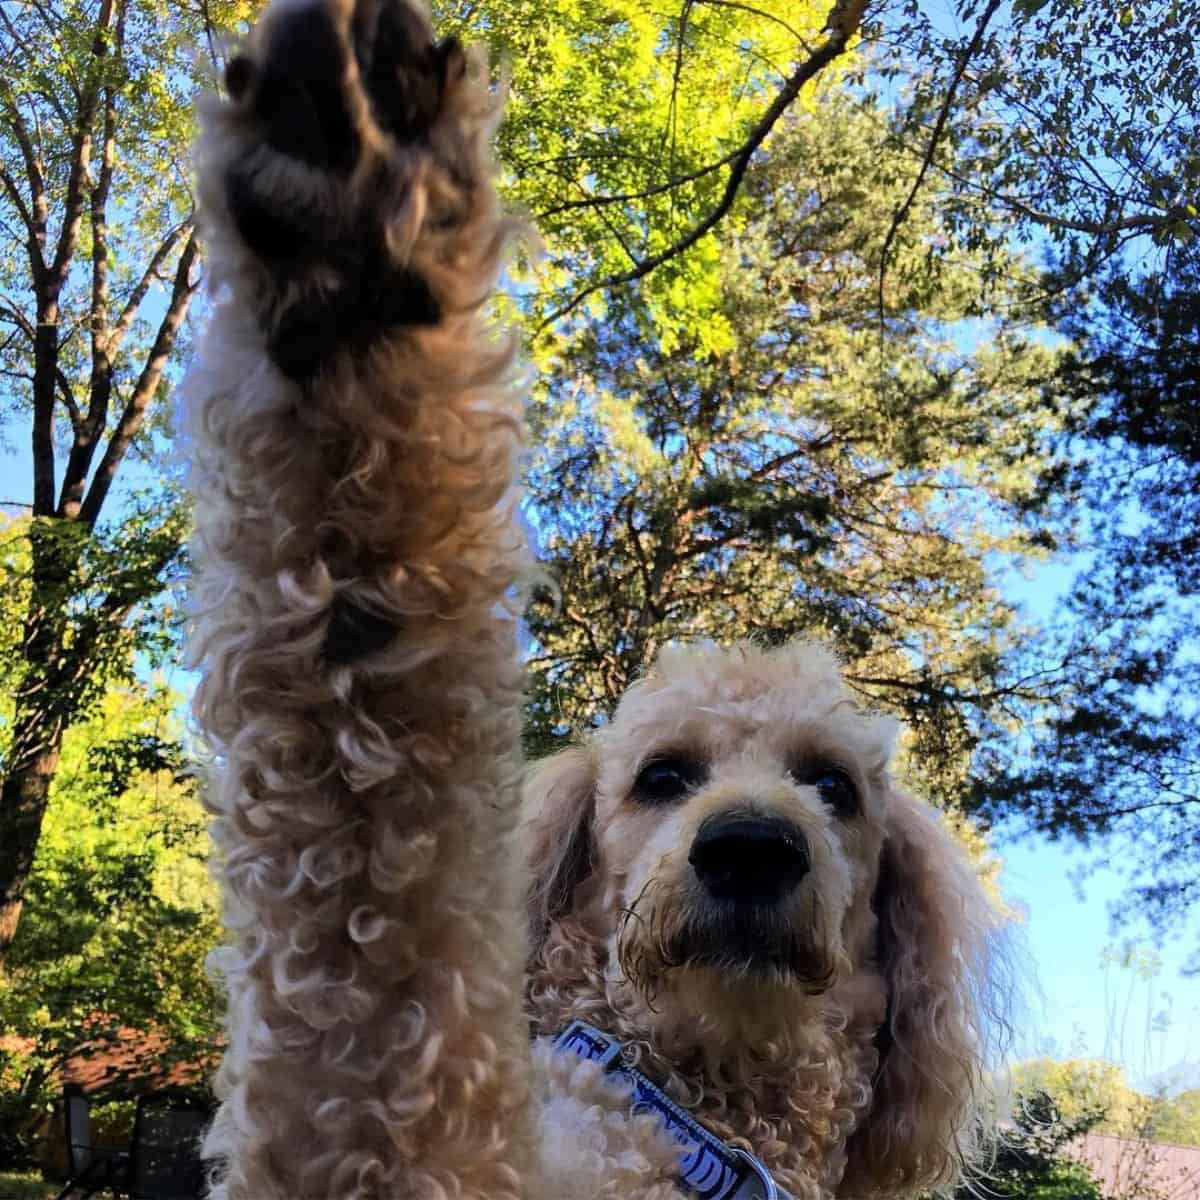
366, 810
376, 1040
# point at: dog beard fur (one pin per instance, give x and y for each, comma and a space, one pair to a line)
664, 930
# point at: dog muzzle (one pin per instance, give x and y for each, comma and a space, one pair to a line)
708, 1168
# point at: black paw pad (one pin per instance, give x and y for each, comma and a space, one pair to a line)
403, 70
239, 75
300, 93
372, 304
397, 298
355, 632
307, 337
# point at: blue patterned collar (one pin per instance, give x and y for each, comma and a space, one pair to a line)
708, 1169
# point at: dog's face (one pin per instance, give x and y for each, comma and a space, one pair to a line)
739, 814
729, 847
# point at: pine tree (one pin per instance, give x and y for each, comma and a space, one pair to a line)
796, 466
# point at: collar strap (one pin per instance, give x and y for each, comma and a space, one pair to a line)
708, 1168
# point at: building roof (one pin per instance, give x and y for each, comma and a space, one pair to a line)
124, 1063
1136, 1169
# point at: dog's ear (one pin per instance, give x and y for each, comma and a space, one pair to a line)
559, 809
936, 937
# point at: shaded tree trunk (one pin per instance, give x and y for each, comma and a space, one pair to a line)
23, 800
38, 720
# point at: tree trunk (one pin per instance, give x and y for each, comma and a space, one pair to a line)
45, 702
37, 740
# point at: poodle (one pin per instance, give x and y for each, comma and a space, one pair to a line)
710, 951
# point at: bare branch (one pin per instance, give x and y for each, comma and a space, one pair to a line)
68, 396
622, 198
134, 415
152, 273
672, 123
1137, 223
210, 36
758, 12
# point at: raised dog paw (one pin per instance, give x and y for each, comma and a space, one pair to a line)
351, 154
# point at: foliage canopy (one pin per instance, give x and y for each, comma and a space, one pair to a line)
119, 916
817, 476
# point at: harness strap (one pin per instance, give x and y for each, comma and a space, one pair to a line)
708, 1168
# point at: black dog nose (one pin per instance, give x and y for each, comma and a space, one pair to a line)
748, 858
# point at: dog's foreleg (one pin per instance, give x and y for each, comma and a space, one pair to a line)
354, 432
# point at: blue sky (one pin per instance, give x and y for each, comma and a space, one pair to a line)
1079, 1006
1081, 1003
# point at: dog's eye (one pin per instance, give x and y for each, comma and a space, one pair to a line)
833, 785
667, 779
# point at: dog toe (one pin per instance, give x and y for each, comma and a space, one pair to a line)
299, 90
405, 72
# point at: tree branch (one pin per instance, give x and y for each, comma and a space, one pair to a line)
89, 429
762, 14
81, 153
152, 273
38, 211
68, 396
657, 190
1136, 223
901, 213
14, 193
18, 318
844, 20
134, 415
44, 92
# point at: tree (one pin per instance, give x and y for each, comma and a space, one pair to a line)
1031, 1161
664, 114
1098, 1089
630, 131
1088, 1088
101, 266
1072, 127
97, 273
1046, 122
1122, 756
120, 913
1075, 122
1177, 1119
809, 475
641, 141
